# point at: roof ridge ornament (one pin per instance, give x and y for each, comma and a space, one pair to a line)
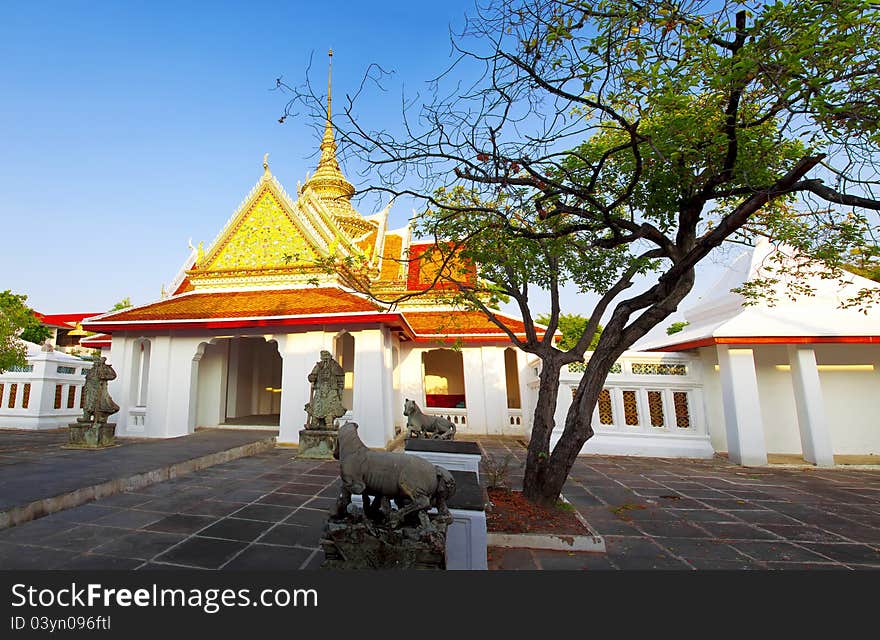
266, 171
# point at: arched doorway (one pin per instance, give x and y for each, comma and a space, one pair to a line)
239, 383
443, 375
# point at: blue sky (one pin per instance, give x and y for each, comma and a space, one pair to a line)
127, 128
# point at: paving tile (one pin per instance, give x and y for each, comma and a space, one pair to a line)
308, 517
208, 553
737, 531
82, 538
21, 557
781, 551
213, 508
139, 544
94, 562
284, 499
129, 519
567, 561
293, 535
802, 533
236, 529
260, 557
846, 553
180, 523
264, 512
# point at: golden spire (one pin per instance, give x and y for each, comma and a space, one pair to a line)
328, 183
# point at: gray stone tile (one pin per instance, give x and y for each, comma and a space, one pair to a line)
180, 523
139, 544
264, 512
208, 553
260, 557
236, 529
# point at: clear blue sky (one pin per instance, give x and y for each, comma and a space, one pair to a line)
127, 128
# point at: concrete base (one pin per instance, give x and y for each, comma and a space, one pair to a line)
646, 444
317, 444
452, 455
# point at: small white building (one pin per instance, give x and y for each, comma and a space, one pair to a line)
46, 393
788, 376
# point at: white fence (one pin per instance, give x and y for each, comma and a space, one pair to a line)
652, 404
44, 394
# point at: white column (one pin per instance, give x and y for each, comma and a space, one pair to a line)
474, 391
181, 390
813, 426
742, 407
299, 353
494, 389
118, 356
372, 388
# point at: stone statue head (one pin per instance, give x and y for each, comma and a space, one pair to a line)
326, 355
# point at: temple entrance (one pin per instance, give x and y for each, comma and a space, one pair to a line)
239, 383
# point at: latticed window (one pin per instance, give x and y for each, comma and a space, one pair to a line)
1, 395
606, 411
682, 413
63, 369
71, 396
630, 408
26, 396
658, 369
655, 408
13, 391
58, 390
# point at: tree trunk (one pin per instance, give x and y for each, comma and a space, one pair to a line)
543, 423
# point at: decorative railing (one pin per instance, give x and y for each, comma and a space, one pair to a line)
458, 417
137, 419
645, 392
515, 418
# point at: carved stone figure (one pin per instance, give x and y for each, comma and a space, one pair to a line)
421, 425
91, 430
328, 381
97, 403
412, 482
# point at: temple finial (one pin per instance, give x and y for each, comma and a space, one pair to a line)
266, 163
329, 81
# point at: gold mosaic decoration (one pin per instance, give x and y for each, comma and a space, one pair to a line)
630, 408
658, 369
606, 412
682, 413
655, 408
263, 239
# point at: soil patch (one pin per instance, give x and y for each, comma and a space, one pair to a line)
512, 513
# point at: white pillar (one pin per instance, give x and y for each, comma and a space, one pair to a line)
742, 407
372, 387
494, 389
299, 353
180, 371
813, 426
474, 390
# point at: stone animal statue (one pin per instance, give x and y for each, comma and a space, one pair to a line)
421, 425
412, 482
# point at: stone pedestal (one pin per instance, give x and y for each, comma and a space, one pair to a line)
84, 435
357, 543
457, 455
316, 444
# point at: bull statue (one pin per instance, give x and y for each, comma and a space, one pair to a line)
421, 425
414, 484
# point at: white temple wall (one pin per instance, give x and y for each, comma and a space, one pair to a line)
851, 396
778, 411
212, 385
299, 353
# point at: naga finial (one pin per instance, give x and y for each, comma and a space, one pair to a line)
266, 162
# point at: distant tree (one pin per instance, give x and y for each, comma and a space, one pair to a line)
125, 303
572, 326
17, 322
675, 327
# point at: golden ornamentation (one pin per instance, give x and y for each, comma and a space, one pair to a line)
264, 238
655, 408
630, 409
606, 412
682, 413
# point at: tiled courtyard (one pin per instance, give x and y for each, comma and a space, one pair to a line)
266, 512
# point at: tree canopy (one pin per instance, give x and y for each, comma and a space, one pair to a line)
17, 323
593, 141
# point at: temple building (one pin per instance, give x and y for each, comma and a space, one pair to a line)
246, 318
